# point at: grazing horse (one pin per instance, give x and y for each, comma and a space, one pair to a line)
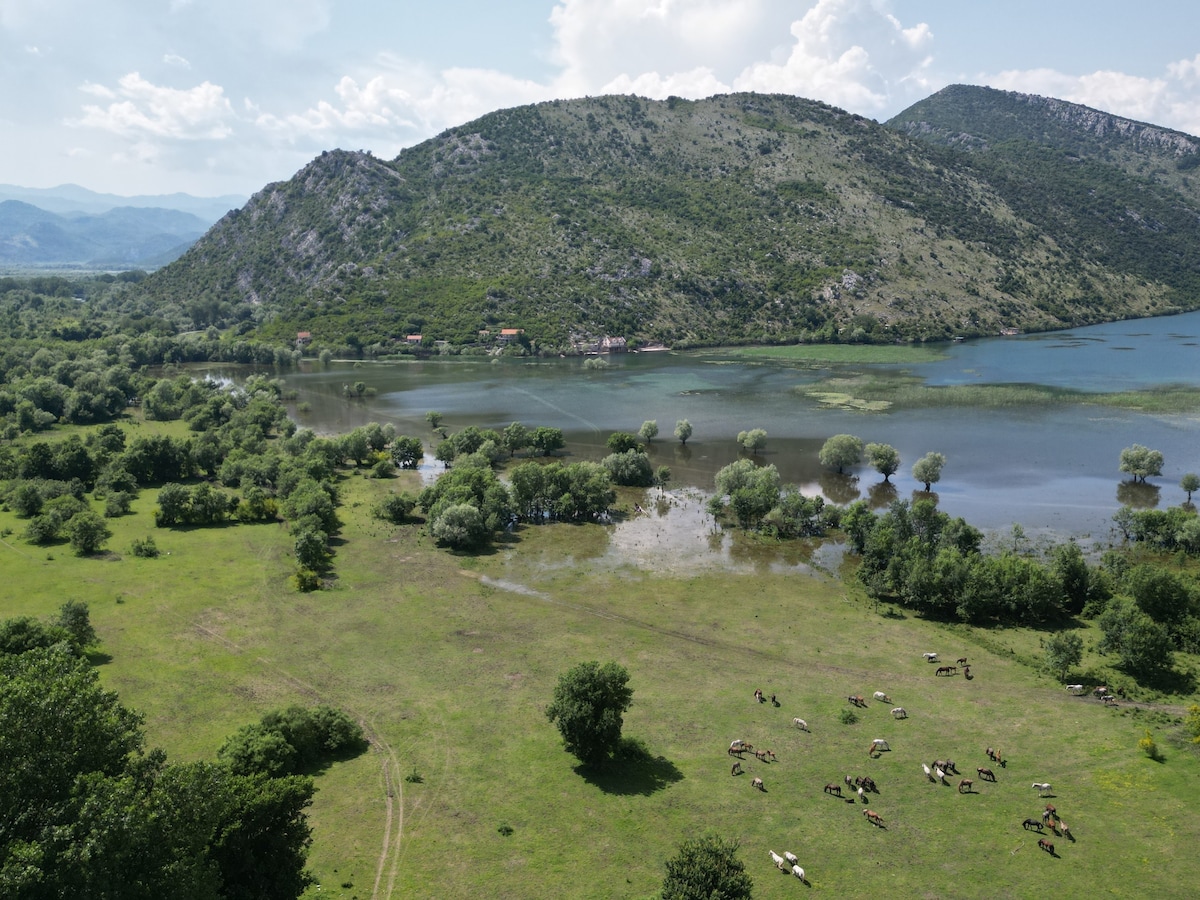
736, 769
862, 795
761, 755
966, 786
991, 754
930, 657
800, 723
832, 788
880, 695
880, 744
899, 712
946, 670
868, 783
848, 781
1066, 832
1042, 787
857, 699
986, 774
1046, 845
928, 772
1051, 809
757, 782
962, 661
873, 817
951, 767
778, 860
1032, 825
941, 775
799, 873
791, 857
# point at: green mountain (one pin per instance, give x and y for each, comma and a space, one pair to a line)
738, 218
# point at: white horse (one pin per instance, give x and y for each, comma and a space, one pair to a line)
880, 744
930, 657
798, 872
800, 723
899, 712
778, 860
880, 695
1075, 688
1042, 787
928, 771
941, 776
790, 857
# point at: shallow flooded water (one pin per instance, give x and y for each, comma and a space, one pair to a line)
1049, 466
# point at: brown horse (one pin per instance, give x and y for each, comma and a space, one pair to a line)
857, 699
873, 817
986, 774
832, 788
1046, 845
966, 786
736, 769
962, 660
1032, 825
946, 670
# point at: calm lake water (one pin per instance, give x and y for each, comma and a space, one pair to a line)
1050, 468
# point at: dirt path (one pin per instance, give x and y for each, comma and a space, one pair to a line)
393, 784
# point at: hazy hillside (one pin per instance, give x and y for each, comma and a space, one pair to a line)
119, 238
738, 218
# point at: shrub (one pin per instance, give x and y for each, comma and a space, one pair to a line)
117, 503
144, 547
306, 580
394, 508
848, 717
1148, 746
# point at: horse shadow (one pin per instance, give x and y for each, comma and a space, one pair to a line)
633, 769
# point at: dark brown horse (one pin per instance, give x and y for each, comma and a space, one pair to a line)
985, 774
1046, 845
832, 788
946, 670
1032, 825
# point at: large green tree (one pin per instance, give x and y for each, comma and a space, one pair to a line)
1063, 651
706, 868
589, 704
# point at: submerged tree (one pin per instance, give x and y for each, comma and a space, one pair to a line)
884, 459
683, 431
928, 469
841, 452
1190, 483
1141, 462
753, 440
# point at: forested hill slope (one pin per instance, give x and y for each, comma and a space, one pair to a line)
1113, 192
742, 217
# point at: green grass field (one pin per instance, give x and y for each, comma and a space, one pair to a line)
449, 661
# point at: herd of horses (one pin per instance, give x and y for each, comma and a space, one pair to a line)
864, 785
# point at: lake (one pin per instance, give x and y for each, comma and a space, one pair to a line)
1049, 466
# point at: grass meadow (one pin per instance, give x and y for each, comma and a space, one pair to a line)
450, 660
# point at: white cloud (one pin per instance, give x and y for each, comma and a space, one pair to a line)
201, 112
174, 59
851, 53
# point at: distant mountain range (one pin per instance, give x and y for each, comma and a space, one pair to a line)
71, 199
70, 226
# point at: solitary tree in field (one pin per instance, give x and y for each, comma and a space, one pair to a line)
884, 459
707, 868
1063, 650
928, 469
841, 452
588, 707
434, 419
1190, 482
1140, 462
683, 430
649, 430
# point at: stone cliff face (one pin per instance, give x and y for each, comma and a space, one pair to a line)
1102, 125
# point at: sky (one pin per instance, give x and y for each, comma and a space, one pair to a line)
214, 97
